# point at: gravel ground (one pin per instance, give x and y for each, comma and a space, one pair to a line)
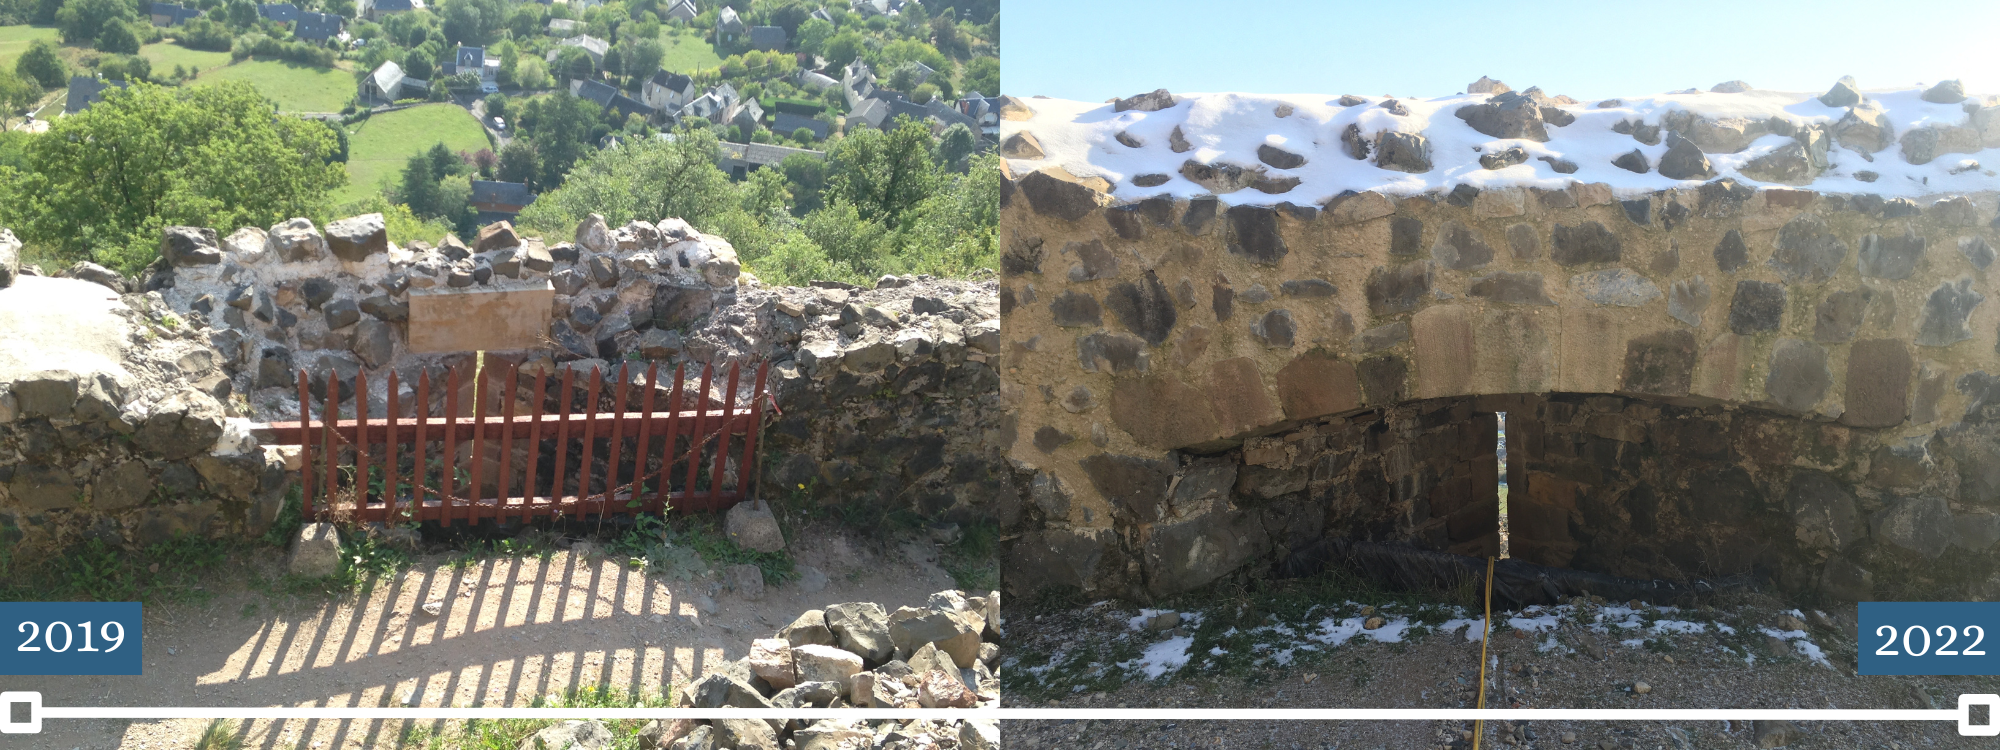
1302, 646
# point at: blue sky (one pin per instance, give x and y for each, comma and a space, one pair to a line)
1091, 50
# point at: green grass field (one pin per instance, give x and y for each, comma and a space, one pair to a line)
296, 88
379, 146
14, 41
166, 56
687, 53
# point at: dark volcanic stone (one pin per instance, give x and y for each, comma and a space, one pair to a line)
1723, 198
1823, 512
1136, 484
1277, 329
1459, 249
1844, 93
1145, 308
1200, 214
1403, 152
1504, 158
1116, 353
1922, 525
1661, 363
1053, 196
1075, 309
1048, 439
1878, 383
1838, 316
1225, 302
1253, 234
1890, 257
1351, 142
1094, 261
1509, 115
1561, 166
1639, 211
1150, 180
1674, 215
1462, 195
1405, 235
1633, 161
316, 292
1731, 254
1151, 101
1511, 287
1945, 313
1977, 251
1589, 243
1135, 408
1684, 160
1945, 92
1382, 380
1799, 376
1398, 289
341, 313
1307, 288
1279, 158
1757, 307
1523, 242
1807, 251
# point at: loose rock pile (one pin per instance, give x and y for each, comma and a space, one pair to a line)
855, 654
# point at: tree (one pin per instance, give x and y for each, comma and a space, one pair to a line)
806, 175
563, 126
884, 174
105, 180
82, 21
645, 58
496, 105
42, 64
444, 163
843, 47
981, 75
614, 60
416, 64
532, 74
242, 14
573, 63
646, 179
118, 38
16, 94
954, 146
420, 187
812, 36
517, 163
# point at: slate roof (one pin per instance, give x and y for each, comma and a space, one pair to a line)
787, 123
318, 27
767, 37
728, 22
472, 58
561, 25
593, 45
392, 5
280, 12
176, 14
503, 193
761, 154
671, 80
85, 91
604, 95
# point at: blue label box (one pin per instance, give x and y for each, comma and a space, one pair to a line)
1930, 638
71, 638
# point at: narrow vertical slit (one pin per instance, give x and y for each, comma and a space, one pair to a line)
1500, 450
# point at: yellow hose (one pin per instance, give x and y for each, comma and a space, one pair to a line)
1486, 633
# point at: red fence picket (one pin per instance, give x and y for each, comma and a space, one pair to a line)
339, 468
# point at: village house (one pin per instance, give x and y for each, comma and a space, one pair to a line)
85, 91
499, 201
767, 38
667, 91
285, 13
728, 27
682, 9
740, 159
591, 45
168, 14
375, 10
388, 83
318, 27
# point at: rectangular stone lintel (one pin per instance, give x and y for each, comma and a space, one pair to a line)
480, 320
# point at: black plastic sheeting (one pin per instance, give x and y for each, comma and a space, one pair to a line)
1516, 584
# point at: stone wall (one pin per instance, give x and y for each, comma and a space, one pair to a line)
134, 452
885, 399
1148, 337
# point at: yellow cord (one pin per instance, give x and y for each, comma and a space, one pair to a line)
1479, 725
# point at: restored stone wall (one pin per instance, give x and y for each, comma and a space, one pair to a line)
1142, 334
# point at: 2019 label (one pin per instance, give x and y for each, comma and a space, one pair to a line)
70, 638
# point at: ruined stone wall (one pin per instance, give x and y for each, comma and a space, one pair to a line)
886, 403
1143, 334
133, 454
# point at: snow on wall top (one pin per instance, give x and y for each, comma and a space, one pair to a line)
1305, 149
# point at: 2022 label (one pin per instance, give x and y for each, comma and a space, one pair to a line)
1930, 638
70, 638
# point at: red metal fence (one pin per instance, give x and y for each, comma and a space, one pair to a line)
652, 459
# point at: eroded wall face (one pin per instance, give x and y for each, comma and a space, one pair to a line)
1141, 336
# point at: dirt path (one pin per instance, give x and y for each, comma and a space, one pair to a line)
511, 629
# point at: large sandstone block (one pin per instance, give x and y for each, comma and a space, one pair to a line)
449, 320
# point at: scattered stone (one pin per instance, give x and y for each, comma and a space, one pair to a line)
1641, 688
751, 525
569, 735
184, 246
1633, 161
354, 239
1022, 145
1504, 158
1945, 92
1684, 160
1403, 152
1153, 101
1845, 93
315, 551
